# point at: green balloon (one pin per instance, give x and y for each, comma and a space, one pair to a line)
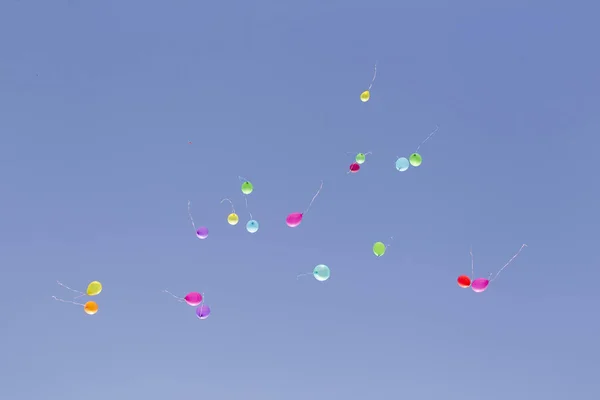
415, 159
360, 158
247, 187
321, 272
379, 249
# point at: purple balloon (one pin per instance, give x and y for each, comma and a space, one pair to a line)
479, 285
193, 299
203, 311
202, 232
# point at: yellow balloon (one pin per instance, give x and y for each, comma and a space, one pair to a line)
233, 219
365, 96
94, 288
90, 308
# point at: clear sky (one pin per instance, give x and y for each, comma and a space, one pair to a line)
98, 100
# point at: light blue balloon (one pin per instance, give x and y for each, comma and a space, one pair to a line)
252, 226
321, 272
402, 164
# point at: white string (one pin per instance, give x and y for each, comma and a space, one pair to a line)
428, 137
314, 197
374, 76
230, 202
509, 261
190, 215
179, 299
67, 301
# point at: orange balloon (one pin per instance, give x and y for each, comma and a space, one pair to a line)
464, 281
90, 308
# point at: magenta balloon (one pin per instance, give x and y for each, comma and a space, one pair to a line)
294, 219
203, 311
193, 299
479, 285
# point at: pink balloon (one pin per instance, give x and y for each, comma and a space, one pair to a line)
294, 219
193, 299
479, 285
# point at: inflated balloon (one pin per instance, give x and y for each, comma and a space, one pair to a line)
464, 281
252, 226
193, 299
90, 308
294, 219
203, 311
379, 249
415, 159
94, 288
366, 95
402, 164
354, 168
247, 187
360, 158
321, 272
481, 284
232, 219
202, 232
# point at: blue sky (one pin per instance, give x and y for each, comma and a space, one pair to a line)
98, 100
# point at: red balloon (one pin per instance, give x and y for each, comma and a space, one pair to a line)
464, 281
354, 167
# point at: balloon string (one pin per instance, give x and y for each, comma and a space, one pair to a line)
374, 76
230, 202
67, 301
388, 245
179, 299
301, 275
241, 178
190, 215
72, 290
428, 137
509, 261
472, 263
314, 197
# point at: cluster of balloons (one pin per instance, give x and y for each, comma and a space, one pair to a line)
89, 307
247, 188
194, 299
359, 160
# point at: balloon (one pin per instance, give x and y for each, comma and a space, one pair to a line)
360, 158
203, 311
415, 159
379, 249
233, 219
202, 232
90, 308
321, 272
94, 288
402, 164
193, 298
479, 285
464, 281
247, 187
365, 96
252, 226
354, 167
294, 219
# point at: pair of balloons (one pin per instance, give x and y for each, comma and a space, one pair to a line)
194, 299
403, 163
93, 289
478, 285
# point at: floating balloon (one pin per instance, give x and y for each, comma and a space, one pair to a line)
90, 308
402, 164
294, 219
366, 95
203, 311
247, 187
479, 285
379, 248
193, 299
464, 281
252, 226
321, 273
232, 219
354, 168
94, 288
202, 232
415, 159
360, 158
